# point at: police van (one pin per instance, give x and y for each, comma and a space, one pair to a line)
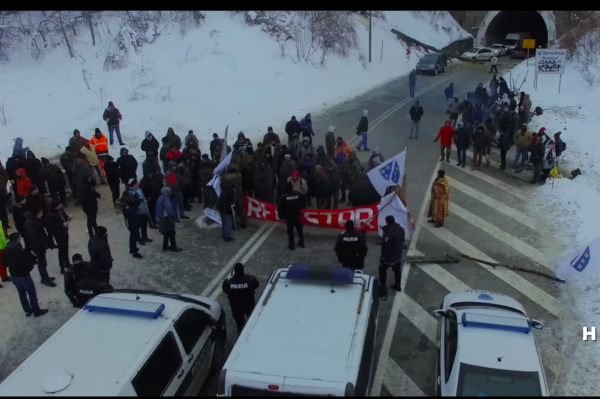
486, 347
127, 343
312, 332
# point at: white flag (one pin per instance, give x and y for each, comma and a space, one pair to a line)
389, 173
219, 170
582, 263
391, 205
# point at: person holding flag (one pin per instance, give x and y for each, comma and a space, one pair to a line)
388, 173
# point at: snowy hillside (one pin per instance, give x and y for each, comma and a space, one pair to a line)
224, 72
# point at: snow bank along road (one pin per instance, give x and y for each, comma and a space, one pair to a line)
487, 220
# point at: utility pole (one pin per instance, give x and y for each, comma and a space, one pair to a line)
370, 36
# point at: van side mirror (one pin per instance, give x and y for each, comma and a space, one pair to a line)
538, 325
438, 314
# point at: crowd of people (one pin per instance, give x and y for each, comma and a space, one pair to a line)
477, 120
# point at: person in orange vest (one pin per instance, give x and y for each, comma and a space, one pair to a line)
100, 141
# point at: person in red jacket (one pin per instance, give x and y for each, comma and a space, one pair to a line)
445, 136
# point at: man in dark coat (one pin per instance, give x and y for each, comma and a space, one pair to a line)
112, 177
321, 158
538, 152
173, 139
462, 140
412, 82
224, 207
151, 185
351, 247
264, 182
100, 257
289, 209
416, 113
165, 217
150, 144
20, 265
291, 128
33, 167
322, 188
112, 116
129, 205
240, 290
391, 255
215, 147
12, 164
55, 180
270, 136
19, 209
206, 174
57, 224
288, 166
39, 241
35, 201
67, 161
82, 171
127, 166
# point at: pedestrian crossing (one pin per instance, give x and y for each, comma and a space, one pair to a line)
491, 220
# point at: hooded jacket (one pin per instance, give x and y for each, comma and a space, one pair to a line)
416, 112
18, 148
321, 158
163, 204
191, 139
52, 174
23, 183
462, 139
526, 105
127, 166
454, 109
36, 203
305, 149
306, 126
243, 144
150, 144
445, 135
33, 166
173, 139
292, 127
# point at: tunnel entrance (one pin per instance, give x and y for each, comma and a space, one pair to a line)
514, 22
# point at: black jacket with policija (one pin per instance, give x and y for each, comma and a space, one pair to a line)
289, 207
240, 289
351, 249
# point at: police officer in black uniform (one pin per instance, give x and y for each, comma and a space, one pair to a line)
129, 206
88, 286
351, 247
72, 275
391, 255
240, 292
288, 209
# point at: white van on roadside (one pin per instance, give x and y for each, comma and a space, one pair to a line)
312, 333
127, 343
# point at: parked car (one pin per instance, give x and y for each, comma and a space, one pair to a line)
501, 48
479, 54
432, 63
486, 347
520, 53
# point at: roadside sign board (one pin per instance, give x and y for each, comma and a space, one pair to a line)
529, 43
550, 61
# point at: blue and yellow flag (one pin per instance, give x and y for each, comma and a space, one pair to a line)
396, 174
582, 261
386, 171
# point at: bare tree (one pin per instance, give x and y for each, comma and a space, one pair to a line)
4, 117
89, 17
85, 75
63, 31
102, 94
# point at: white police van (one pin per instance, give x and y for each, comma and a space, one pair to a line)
312, 333
127, 343
486, 347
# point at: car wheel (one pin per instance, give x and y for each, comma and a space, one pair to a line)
435, 71
218, 357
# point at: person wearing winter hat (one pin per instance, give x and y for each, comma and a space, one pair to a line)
363, 130
166, 222
150, 144
142, 211
127, 166
57, 223
113, 117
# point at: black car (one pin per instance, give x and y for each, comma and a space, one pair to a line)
432, 63
520, 53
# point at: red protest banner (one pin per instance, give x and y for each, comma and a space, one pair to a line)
328, 218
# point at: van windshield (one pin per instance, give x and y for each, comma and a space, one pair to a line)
238, 390
510, 42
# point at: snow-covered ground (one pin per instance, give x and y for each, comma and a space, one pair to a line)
223, 73
571, 206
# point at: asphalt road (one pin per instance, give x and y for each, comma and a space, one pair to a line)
488, 220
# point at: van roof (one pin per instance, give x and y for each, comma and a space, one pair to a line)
306, 329
102, 351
